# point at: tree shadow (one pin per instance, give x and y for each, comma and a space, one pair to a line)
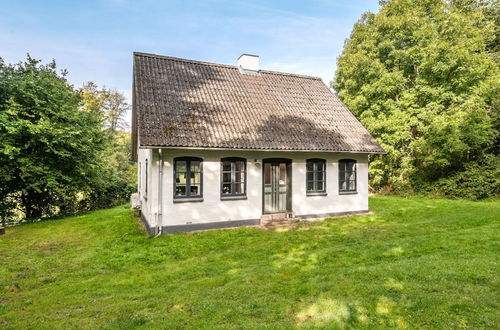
187, 103
175, 98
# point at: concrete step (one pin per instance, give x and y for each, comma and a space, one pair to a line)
276, 224
276, 216
285, 219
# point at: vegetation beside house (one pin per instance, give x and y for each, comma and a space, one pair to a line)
414, 263
423, 77
62, 150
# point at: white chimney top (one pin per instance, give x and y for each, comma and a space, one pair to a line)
248, 64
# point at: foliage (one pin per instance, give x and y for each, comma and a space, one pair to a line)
479, 180
109, 105
54, 155
49, 150
415, 263
419, 77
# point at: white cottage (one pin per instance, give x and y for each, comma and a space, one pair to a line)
223, 146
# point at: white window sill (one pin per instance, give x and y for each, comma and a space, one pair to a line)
187, 199
317, 193
232, 198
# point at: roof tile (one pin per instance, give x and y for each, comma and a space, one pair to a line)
185, 103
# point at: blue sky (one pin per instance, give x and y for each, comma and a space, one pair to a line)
94, 39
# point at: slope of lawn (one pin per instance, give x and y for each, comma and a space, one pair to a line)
415, 262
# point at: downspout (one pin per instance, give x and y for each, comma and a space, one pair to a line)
160, 193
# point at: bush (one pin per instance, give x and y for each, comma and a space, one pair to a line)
479, 180
113, 190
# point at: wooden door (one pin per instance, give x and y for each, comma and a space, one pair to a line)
276, 185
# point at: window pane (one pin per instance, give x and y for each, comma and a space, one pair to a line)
267, 173
195, 166
352, 185
240, 188
342, 184
226, 177
341, 166
282, 173
321, 166
350, 176
310, 186
180, 178
180, 166
320, 176
320, 185
180, 190
240, 177
226, 188
240, 166
342, 175
349, 167
194, 190
226, 166
309, 166
195, 178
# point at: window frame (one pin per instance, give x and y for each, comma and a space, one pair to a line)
315, 191
355, 170
139, 179
146, 179
233, 182
188, 197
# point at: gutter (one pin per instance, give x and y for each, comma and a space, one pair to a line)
264, 150
159, 222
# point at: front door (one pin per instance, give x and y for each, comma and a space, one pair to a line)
276, 185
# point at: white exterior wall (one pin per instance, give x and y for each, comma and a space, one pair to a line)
149, 200
213, 209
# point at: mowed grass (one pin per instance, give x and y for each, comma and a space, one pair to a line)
415, 262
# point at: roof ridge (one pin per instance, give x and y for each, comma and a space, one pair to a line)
291, 74
186, 60
180, 59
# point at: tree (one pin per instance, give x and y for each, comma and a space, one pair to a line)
50, 150
418, 76
110, 105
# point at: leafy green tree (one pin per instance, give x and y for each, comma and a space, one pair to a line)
50, 150
111, 107
418, 75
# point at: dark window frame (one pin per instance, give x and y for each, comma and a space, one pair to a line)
146, 179
233, 182
315, 191
343, 178
188, 172
139, 179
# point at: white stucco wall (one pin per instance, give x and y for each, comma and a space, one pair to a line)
213, 209
148, 200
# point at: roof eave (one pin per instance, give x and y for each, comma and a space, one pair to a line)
257, 149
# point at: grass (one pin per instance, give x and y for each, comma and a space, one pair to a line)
415, 262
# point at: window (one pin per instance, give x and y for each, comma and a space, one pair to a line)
188, 174
139, 186
233, 177
347, 175
146, 180
316, 176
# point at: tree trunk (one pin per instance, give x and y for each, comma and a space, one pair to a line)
32, 208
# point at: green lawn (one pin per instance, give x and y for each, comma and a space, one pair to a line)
415, 262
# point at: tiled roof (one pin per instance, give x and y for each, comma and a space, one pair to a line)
185, 103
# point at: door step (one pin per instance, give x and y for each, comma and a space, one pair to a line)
275, 220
